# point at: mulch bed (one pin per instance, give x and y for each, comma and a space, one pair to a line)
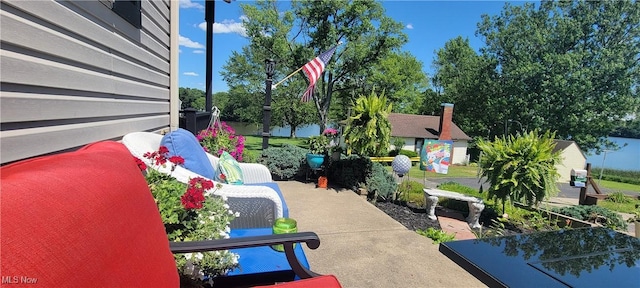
415, 218
411, 217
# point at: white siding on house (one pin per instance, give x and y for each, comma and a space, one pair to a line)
459, 152
75, 72
572, 158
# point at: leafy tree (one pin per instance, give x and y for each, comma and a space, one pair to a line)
189, 96
368, 131
568, 66
521, 168
297, 35
400, 76
629, 129
468, 80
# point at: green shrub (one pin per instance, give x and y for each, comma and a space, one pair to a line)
411, 192
351, 171
621, 179
618, 197
593, 213
380, 182
398, 143
408, 153
521, 168
249, 156
438, 236
286, 162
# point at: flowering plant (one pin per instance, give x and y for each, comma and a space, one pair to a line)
330, 132
190, 214
218, 139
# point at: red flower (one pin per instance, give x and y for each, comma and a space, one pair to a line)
200, 183
176, 160
140, 163
192, 199
163, 150
222, 177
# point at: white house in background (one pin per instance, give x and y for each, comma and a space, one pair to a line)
572, 158
415, 128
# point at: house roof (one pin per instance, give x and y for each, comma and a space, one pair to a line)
561, 145
421, 126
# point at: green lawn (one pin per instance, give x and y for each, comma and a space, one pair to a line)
455, 171
617, 186
254, 143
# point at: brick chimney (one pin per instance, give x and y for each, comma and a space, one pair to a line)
445, 121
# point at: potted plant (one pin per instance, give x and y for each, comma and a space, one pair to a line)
317, 150
635, 218
190, 212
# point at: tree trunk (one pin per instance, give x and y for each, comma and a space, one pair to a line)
292, 134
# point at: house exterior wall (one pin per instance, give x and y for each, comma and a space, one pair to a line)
459, 149
572, 158
75, 72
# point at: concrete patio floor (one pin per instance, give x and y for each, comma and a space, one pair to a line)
363, 246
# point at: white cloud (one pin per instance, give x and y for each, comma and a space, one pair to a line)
227, 26
186, 42
409, 26
190, 73
188, 4
198, 51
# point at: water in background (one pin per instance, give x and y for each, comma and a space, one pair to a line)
256, 130
627, 158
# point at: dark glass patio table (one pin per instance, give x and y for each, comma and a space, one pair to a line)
585, 257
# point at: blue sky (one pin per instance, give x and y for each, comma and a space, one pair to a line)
429, 24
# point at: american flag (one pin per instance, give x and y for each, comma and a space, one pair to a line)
313, 69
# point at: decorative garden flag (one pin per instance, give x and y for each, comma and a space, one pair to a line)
435, 155
313, 69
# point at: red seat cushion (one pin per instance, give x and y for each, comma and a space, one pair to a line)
83, 219
325, 281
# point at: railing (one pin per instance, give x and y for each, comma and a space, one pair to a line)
194, 120
390, 159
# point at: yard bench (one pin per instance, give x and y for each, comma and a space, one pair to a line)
475, 204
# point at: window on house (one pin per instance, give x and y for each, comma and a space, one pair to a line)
129, 10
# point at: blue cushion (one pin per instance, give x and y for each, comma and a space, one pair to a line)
262, 259
184, 144
230, 168
274, 186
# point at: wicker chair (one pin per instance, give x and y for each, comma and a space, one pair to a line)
258, 205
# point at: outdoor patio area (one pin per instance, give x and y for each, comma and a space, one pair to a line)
363, 246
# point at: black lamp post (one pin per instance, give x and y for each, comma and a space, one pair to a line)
270, 67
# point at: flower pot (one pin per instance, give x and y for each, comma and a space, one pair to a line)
322, 182
315, 160
284, 226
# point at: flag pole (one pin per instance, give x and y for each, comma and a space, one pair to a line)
290, 75
294, 72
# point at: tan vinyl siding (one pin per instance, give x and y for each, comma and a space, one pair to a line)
572, 158
75, 72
